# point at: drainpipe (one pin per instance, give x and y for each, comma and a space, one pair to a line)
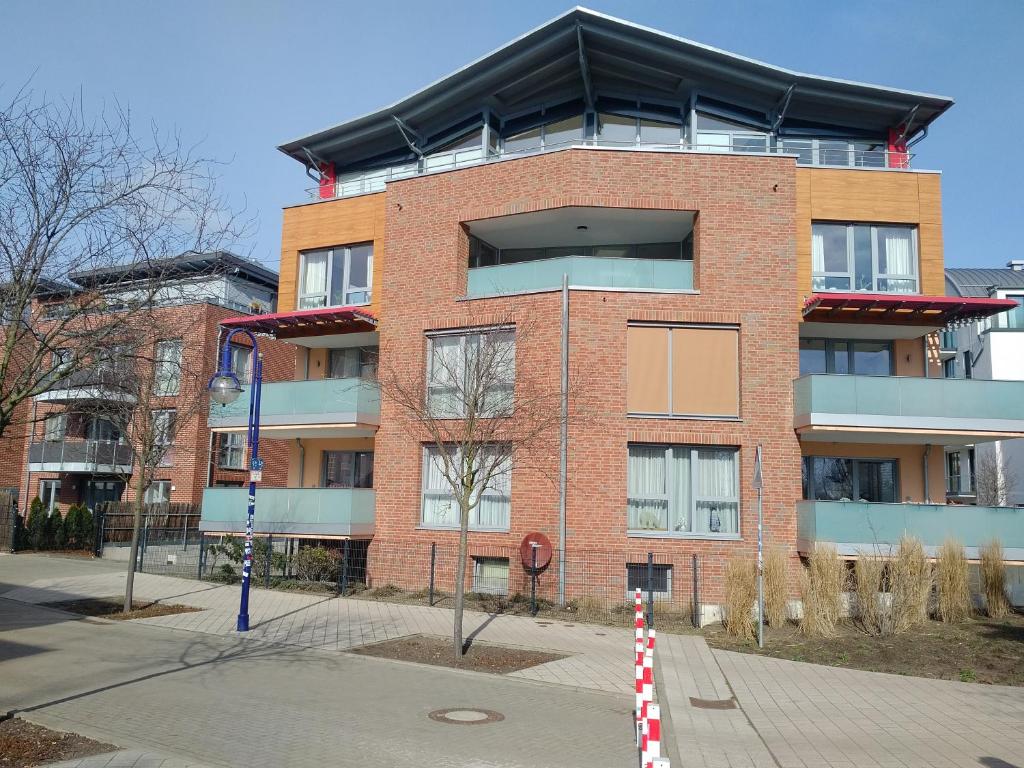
927, 488
302, 460
28, 458
563, 448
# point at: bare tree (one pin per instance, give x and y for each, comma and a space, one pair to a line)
80, 194
994, 478
484, 408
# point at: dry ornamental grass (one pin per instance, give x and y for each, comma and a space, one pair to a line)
740, 594
993, 580
822, 583
868, 572
910, 579
776, 587
953, 598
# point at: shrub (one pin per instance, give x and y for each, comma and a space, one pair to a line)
868, 572
993, 580
776, 587
35, 527
953, 602
315, 564
78, 527
822, 584
56, 532
740, 594
263, 558
910, 580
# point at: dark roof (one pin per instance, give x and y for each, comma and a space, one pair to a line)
981, 282
624, 61
214, 262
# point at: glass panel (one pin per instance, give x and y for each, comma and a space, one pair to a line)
862, 269
490, 575
876, 481
682, 497
1014, 318
812, 356
364, 470
745, 143
833, 478
343, 363
616, 129
338, 277
615, 251
868, 155
657, 132
717, 509
896, 255
339, 469
314, 275
360, 259
833, 153
840, 357
803, 148
872, 358
658, 251
660, 582
832, 243
563, 132
167, 377
523, 142
446, 374
714, 142
831, 283
517, 255
703, 121
646, 488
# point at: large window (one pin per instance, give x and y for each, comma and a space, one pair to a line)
483, 254
683, 490
347, 469
55, 427
352, 363
102, 429
241, 360
167, 373
158, 492
864, 257
490, 575
163, 427
493, 506
717, 135
864, 358
550, 136
830, 478
471, 373
334, 277
49, 494
627, 131
1012, 318
838, 152
656, 579
231, 450
682, 371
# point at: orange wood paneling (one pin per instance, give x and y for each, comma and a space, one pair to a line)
321, 225
909, 357
647, 369
705, 371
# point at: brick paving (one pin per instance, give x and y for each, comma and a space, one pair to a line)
128, 758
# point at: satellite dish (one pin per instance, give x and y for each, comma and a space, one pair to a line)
540, 543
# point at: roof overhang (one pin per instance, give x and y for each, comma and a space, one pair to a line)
306, 322
900, 309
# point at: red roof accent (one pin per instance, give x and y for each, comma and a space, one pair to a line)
900, 309
306, 322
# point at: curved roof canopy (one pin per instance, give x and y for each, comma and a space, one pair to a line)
600, 61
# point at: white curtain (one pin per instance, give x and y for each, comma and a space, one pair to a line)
899, 256
439, 507
314, 281
717, 506
682, 497
646, 488
818, 252
446, 371
493, 509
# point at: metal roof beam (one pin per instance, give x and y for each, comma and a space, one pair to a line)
906, 122
406, 131
781, 107
584, 67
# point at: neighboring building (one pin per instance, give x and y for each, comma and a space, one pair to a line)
750, 258
74, 452
992, 348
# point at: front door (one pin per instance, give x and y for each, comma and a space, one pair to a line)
99, 491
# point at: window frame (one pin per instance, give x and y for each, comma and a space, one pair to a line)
60, 428
808, 487
446, 490
354, 475
478, 562
163, 436
667, 568
695, 497
147, 499
225, 449
169, 387
347, 287
851, 356
49, 494
369, 357
851, 254
464, 334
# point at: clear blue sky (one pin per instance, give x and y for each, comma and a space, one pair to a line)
242, 76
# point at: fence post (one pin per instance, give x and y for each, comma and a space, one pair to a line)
433, 562
270, 560
343, 572
533, 581
202, 555
139, 566
696, 591
100, 530
650, 589
184, 532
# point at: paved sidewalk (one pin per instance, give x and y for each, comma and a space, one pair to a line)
128, 758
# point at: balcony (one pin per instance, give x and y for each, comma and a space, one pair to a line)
320, 408
80, 456
291, 511
98, 384
857, 526
907, 409
594, 272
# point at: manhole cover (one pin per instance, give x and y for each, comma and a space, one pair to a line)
712, 703
458, 716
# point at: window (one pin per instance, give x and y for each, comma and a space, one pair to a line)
471, 373
829, 478
626, 131
490, 575
949, 368
657, 580
103, 430
163, 426
493, 507
352, 363
1012, 318
61, 359
347, 469
49, 494
482, 254
241, 359
682, 370
55, 427
864, 358
839, 152
968, 365
158, 492
231, 450
335, 277
167, 373
717, 135
864, 257
683, 490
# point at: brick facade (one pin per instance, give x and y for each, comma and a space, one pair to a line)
745, 271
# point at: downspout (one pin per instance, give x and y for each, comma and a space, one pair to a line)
302, 460
209, 462
28, 457
563, 448
927, 487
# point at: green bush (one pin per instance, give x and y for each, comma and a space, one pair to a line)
35, 527
315, 564
55, 533
78, 527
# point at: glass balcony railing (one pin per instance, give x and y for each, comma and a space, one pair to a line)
334, 401
291, 511
858, 526
583, 272
908, 402
80, 456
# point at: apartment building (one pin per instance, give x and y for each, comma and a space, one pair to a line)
732, 254
992, 348
73, 451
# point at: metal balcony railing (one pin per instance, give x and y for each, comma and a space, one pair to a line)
79, 456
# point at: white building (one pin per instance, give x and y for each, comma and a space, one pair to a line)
988, 349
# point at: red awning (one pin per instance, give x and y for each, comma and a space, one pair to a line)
898, 309
306, 322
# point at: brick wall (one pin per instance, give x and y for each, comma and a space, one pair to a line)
745, 270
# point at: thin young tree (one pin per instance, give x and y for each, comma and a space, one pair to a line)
81, 193
486, 405
994, 478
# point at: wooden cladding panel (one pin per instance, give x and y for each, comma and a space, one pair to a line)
321, 225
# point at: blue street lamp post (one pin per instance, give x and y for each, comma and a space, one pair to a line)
225, 388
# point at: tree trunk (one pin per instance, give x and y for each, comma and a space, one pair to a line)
129, 586
460, 581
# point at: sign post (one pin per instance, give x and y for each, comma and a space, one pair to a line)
759, 485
